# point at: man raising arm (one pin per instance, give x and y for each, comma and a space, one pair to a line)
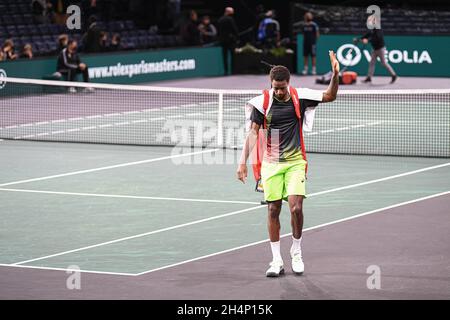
283, 112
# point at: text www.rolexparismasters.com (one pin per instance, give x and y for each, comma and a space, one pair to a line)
130, 70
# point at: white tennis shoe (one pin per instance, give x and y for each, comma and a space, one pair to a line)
276, 268
298, 266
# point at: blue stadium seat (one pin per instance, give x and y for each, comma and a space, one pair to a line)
26, 39
18, 19
171, 41
143, 42
24, 8
52, 46
129, 25
7, 20
53, 29
151, 41
141, 33
43, 29
11, 31
101, 25
22, 30
32, 30
13, 8
28, 18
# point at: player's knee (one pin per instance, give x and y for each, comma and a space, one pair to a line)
274, 212
297, 209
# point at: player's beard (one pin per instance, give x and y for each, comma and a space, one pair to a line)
282, 98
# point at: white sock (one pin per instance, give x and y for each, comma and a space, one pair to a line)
296, 245
276, 254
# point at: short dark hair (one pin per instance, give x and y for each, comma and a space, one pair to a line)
70, 41
280, 73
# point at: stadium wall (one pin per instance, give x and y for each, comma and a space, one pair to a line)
130, 67
421, 56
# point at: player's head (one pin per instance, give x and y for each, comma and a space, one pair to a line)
279, 78
229, 11
72, 45
308, 16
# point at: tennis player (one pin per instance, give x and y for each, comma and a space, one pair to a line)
284, 112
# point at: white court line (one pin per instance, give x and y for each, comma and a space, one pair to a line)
232, 213
68, 269
126, 196
304, 230
143, 234
381, 179
108, 167
235, 248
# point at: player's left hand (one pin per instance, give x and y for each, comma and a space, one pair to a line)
334, 62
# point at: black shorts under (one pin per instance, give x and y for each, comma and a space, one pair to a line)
309, 49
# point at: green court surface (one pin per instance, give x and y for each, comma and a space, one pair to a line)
134, 209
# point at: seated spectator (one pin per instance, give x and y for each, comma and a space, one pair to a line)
115, 42
189, 32
62, 41
69, 63
27, 52
91, 39
8, 50
208, 31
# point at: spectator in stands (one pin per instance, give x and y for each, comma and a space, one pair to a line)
8, 50
260, 15
27, 52
174, 12
91, 39
89, 8
189, 32
103, 41
62, 41
59, 11
42, 11
70, 65
269, 31
376, 38
208, 31
228, 35
310, 36
115, 42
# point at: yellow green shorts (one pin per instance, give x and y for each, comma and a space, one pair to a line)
282, 179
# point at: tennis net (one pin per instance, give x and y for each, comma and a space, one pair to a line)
390, 122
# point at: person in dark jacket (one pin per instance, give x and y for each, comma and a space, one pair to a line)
376, 39
91, 39
70, 65
190, 32
207, 30
228, 35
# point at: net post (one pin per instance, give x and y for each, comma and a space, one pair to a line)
220, 122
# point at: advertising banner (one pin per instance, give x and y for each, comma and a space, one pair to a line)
421, 56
